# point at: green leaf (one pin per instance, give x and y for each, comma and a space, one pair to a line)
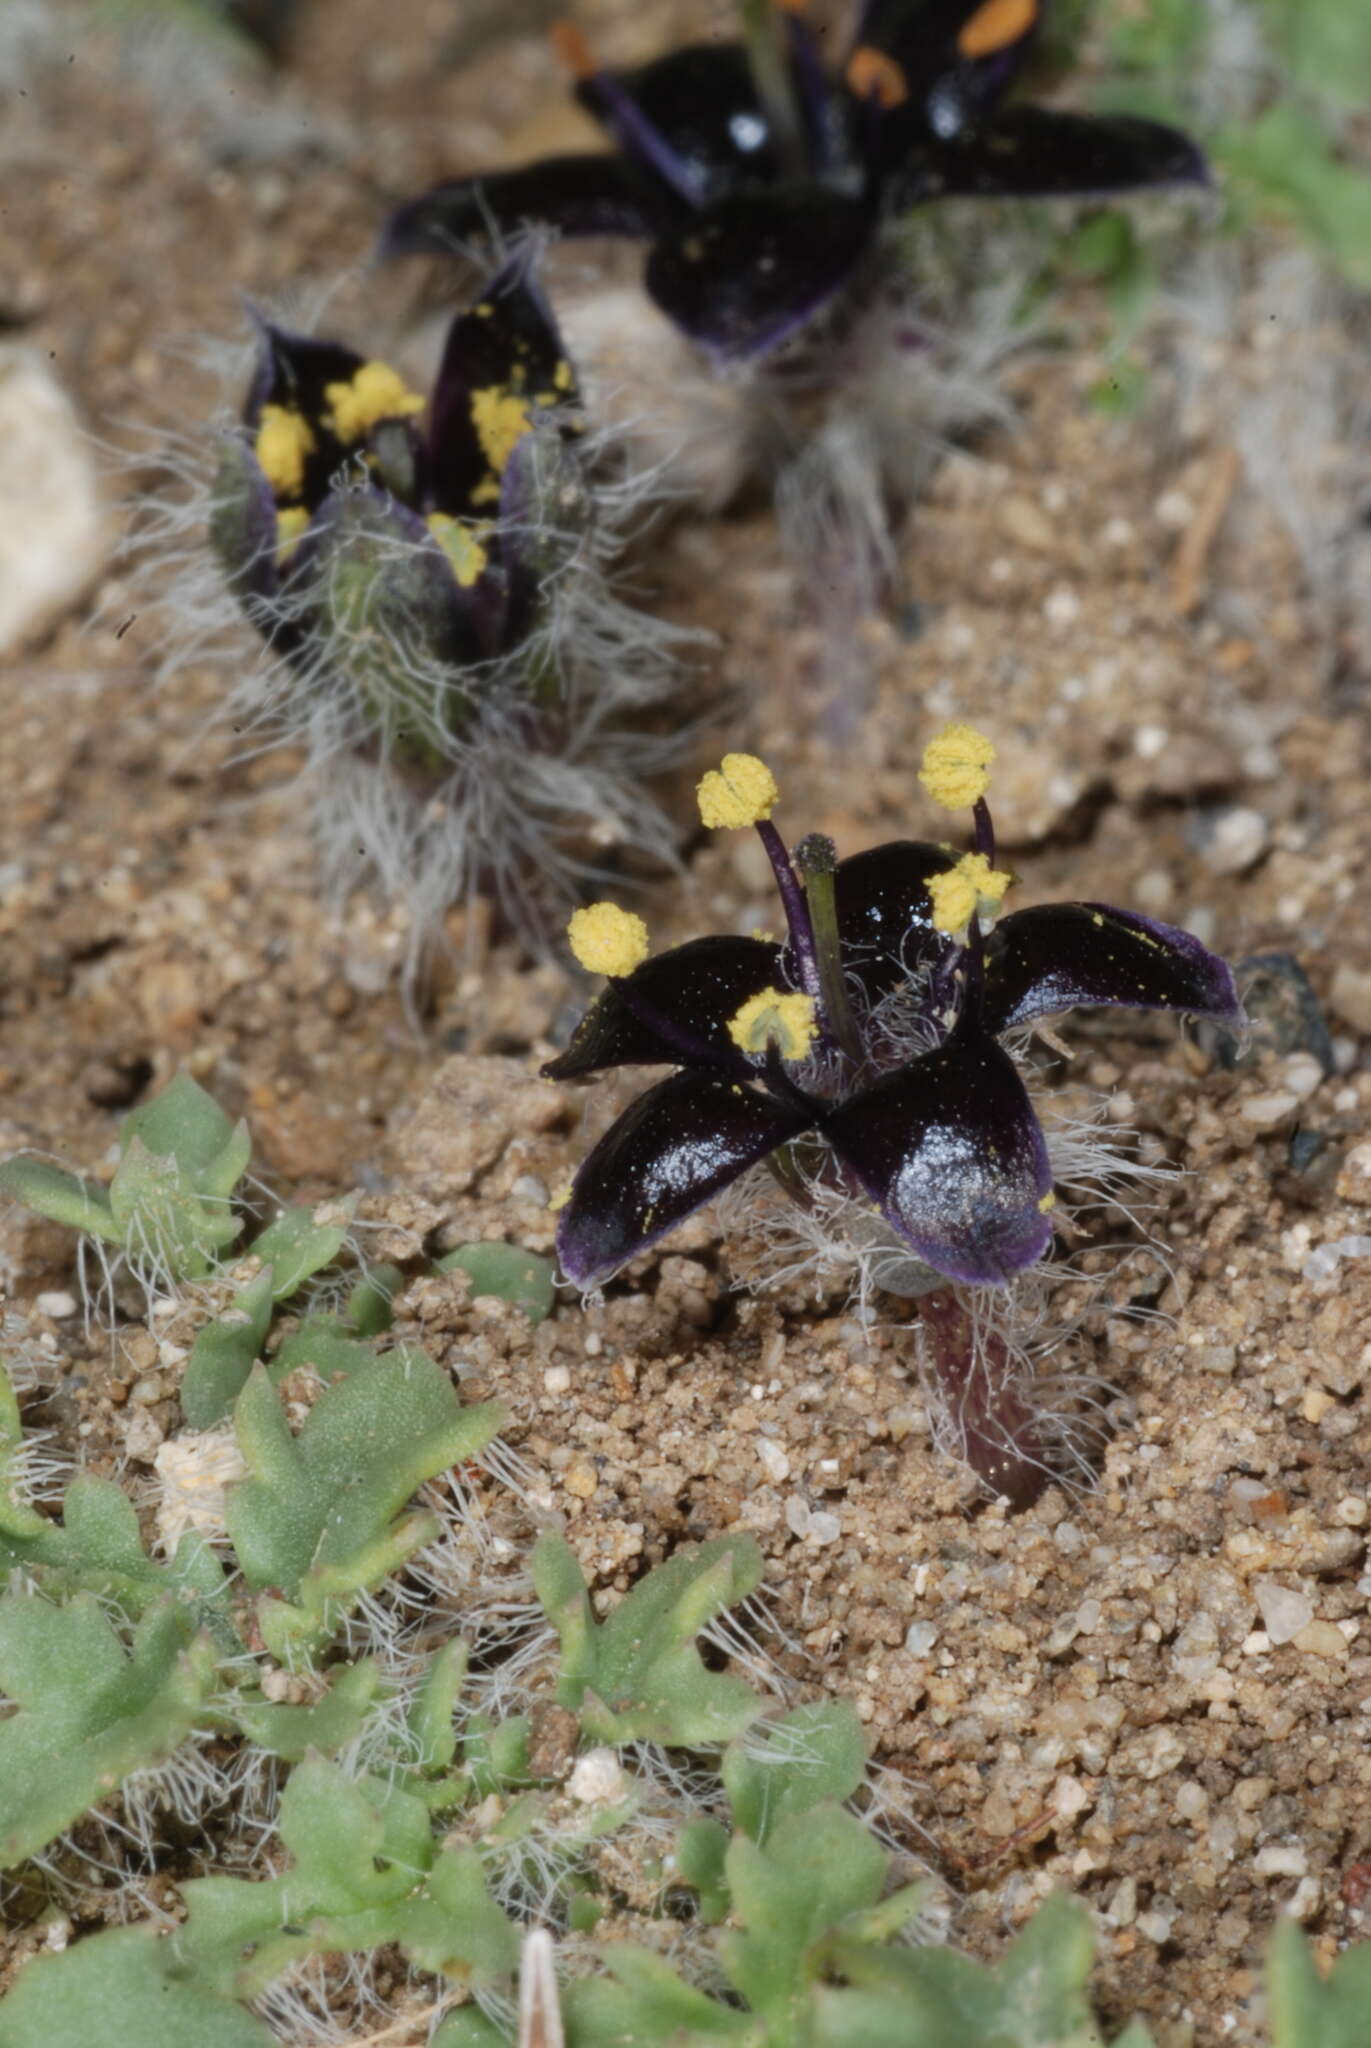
365, 1871
817, 1869
646, 2006
297, 1244
326, 1727
1326, 45
471, 2029
62, 1197
433, 1735
320, 1517
508, 1273
185, 1124
1286, 158
162, 1218
120, 1986
701, 1848
88, 1713
638, 1676
224, 1353
97, 1548
369, 1310
17, 1518
1310, 2011
786, 1766
327, 1346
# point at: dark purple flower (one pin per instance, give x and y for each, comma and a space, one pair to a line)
862, 1053
762, 179
346, 499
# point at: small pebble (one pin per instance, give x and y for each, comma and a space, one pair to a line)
1321, 1639
58, 1306
823, 1528
1267, 1110
1284, 1612
1238, 839
557, 1379
920, 1637
773, 1459
597, 1778
581, 1478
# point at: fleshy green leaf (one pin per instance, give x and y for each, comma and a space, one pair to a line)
185, 1124
326, 1727
224, 1353
120, 1986
638, 1676
88, 1712
365, 1871
60, 1196
815, 1753
301, 1241
508, 1273
321, 1517
1310, 2011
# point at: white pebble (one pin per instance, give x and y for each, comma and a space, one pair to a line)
1280, 1859
557, 1380
823, 1528
1264, 1112
797, 1516
1239, 838
1284, 1611
773, 1459
920, 1637
597, 1778
58, 1306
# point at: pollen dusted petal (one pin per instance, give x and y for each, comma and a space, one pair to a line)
950, 1148
1038, 153
674, 1149
699, 987
885, 913
502, 360
1060, 955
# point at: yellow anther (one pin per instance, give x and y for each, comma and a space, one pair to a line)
457, 539
1048, 1201
740, 791
956, 766
972, 886
995, 26
501, 420
561, 1198
284, 439
871, 74
374, 393
290, 524
607, 940
774, 1017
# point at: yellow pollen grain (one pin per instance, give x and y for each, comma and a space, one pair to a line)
283, 441
740, 791
457, 539
501, 420
1049, 1201
290, 524
774, 1017
375, 392
561, 1198
956, 766
608, 940
960, 892
995, 26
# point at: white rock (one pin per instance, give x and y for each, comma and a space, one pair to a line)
920, 1637
557, 1380
823, 1528
1239, 838
797, 1516
597, 1778
773, 1459
1280, 1859
58, 1306
1284, 1612
1265, 1111
52, 536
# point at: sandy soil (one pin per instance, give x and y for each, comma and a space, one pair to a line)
1181, 728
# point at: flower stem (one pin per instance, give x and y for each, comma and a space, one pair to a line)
985, 830
1000, 1440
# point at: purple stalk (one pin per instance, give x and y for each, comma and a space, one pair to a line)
796, 909
1001, 1441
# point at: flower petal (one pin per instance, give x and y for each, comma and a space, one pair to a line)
694, 989
242, 521
746, 273
701, 104
1038, 153
581, 195
1059, 955
673, 1150
952, 1151
885, 913
503, 365
958, 57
